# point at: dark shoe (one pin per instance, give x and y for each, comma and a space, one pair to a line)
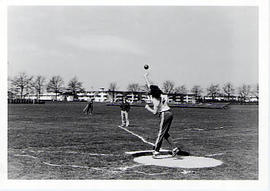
175, 152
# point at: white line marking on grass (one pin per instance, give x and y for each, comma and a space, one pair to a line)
180, 139
194, 129
71, 152
198, 129
145, 151
186, 172
83, 153
219, 128
50, 164
30, 156
129, 167
151, 174
54, 165
77, 166
97, 154
65, 165
216, 154
137, 136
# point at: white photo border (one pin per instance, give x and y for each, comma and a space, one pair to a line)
261, 184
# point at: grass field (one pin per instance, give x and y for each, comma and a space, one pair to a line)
57, 141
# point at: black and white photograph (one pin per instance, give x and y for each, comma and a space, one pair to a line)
129, 92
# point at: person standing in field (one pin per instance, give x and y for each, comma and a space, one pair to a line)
89, 107
125, 107
160, 107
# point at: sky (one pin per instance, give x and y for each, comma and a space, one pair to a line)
200, 45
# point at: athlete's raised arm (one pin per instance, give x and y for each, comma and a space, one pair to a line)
146, 79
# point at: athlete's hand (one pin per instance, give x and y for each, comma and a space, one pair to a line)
147, 106
146, 74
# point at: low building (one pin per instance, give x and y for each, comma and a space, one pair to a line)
86, 96
101, 95
232, 98
49, 96
182, 98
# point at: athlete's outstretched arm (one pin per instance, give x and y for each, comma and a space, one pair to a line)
147, 80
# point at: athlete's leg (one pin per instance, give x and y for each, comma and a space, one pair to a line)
85, 109
88, 109
122, 118
126, 116
91, 109
170, 141
160, 133
167, 135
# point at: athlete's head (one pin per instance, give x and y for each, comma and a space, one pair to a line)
155, 91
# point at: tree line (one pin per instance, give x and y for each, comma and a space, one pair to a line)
213, 90
23, 84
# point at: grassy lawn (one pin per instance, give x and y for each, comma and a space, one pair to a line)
57, 141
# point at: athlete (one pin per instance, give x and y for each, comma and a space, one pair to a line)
160, 107
89, 107
125, 107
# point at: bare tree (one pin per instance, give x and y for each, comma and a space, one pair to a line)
228, 89
112, 89
244, 91
55, 85
21, 83
197, 90
145, 88
181, 89
12, 90
255, 91
38, 84
133, 87
75, 86
213, 90
113, 86
168, 86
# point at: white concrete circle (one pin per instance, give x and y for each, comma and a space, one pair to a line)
179, 161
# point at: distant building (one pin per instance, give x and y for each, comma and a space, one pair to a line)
232, 98
49, 96
103, 95
119, 96
182, 98
85, 96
